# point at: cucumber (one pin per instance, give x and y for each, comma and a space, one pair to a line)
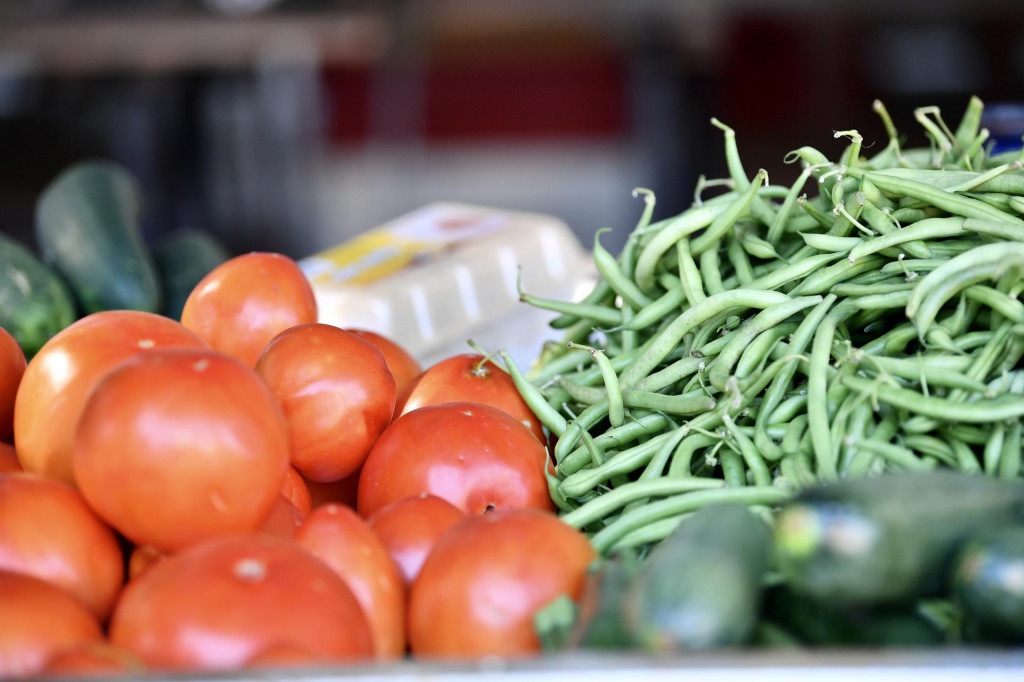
35, 303
818, 623
701, 587
600, 624
887, 539
87, 227
183, 257
988, 584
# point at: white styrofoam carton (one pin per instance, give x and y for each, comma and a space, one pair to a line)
446, 273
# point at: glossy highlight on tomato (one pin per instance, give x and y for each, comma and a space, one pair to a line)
409, 527
475, 456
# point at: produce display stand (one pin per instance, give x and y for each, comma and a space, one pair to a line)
747, 665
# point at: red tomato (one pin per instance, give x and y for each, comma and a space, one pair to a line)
38, 619
284, 521
337, 393
177, 446
469, 378
402, 364
94, 659
295, 490
65, 370
221, 602
12, 367
8, 459
409, 527
486, 578
341, 539
47, 530
246, 301
474, 456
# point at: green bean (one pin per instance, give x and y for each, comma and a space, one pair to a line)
759, 208
892, 299
690, 403
778, 225
1010, 458
934, 447
574, 460
924, 370
794, 271
679, 467
732, 467
817, 403
965, 457
598, 313
755, 246
829, 243
609, 502
978, 412
686, 223
724, 221
653, 532
766, 319
600, 294
741, 265
678, 504
1008, 307
710, 272
859, 421
996, 228
933, 196
988, 262
755, 463
900, 456
822, 280
929, 228
689, 275
1005, 183
758, 349
969, 123
994, 449
1017, 204
787, 410
547, 415
670, 337
654, 313
611, 271
864, 458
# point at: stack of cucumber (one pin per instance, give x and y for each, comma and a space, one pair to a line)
93, 257
841, 360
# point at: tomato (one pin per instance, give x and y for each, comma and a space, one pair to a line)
47, 530
64, 371
409, 527
176, 446
296, 491
12, 367
342, 540
337, 393
221, 602
141, 558
486, 578
8, 459
94, 659
246, 301
402, 364
470, 378
284, 520
474, 456
38, 619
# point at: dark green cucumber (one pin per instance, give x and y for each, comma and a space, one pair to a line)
988, 584
35, 303
818, 623
87, 226
600, 624
183, 257
887, 539
701, 587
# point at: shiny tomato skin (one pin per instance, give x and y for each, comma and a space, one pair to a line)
177, 446
94, 659
284, 656
61, 375
341, 539
487, 576
12, 367
37, 620
284, 520
409, 527
337, 394
240, 305
401, 362
218, 604
296, 491
475, 456
9, 462
47, 530
472, 379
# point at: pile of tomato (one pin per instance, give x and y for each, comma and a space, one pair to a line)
249, 487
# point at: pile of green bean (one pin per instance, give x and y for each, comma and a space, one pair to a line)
864, 319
